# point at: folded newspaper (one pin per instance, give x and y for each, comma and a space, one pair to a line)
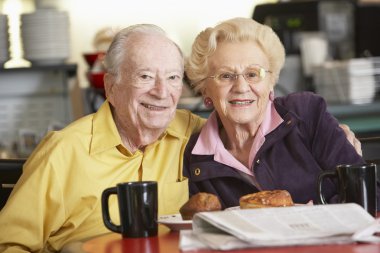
270, 227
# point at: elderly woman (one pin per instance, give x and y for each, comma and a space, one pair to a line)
253, 141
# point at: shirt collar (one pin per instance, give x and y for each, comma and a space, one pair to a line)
104, 131
209, 142
178, 126
208, 137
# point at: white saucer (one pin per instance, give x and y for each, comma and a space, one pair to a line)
175, 222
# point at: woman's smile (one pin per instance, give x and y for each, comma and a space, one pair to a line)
241, 102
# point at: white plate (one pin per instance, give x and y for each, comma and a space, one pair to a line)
232, 208
238, 207
175, 222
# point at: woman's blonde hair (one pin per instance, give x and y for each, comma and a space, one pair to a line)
233, 30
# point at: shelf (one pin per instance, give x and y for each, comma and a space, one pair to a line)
69, 68
363, 119
33, 99
350, 110
55, 93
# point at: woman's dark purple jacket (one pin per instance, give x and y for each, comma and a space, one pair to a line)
291, 158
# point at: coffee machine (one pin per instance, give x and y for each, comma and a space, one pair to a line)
294, 21
290, 20
367, 27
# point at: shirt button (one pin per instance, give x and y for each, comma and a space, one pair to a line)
197, 171
289, 122
258, 161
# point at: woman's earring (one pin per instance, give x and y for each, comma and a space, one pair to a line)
271, 95
208, 102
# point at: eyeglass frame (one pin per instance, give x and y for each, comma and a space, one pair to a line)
262, 72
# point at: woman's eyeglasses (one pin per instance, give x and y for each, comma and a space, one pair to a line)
252, 74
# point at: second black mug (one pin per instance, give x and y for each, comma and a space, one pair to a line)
356, 184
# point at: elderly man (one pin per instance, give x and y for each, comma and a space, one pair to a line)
136, 135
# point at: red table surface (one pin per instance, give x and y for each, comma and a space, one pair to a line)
168, 242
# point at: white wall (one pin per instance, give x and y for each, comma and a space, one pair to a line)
182, 20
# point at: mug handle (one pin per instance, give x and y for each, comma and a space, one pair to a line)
319, 185
106, 211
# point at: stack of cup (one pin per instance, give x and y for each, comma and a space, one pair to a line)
4, 39
314, 52
45, 36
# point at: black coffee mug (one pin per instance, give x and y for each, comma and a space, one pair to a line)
356, 183
138, 206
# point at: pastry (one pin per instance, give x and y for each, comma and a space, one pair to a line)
275, 198
200, 202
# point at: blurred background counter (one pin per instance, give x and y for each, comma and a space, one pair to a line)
51, 53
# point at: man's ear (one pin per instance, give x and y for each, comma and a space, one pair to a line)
109, 81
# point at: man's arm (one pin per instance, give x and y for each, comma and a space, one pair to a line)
352, 139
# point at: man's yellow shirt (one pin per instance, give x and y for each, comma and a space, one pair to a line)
57, 199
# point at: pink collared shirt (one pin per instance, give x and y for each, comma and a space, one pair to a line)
209, 142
